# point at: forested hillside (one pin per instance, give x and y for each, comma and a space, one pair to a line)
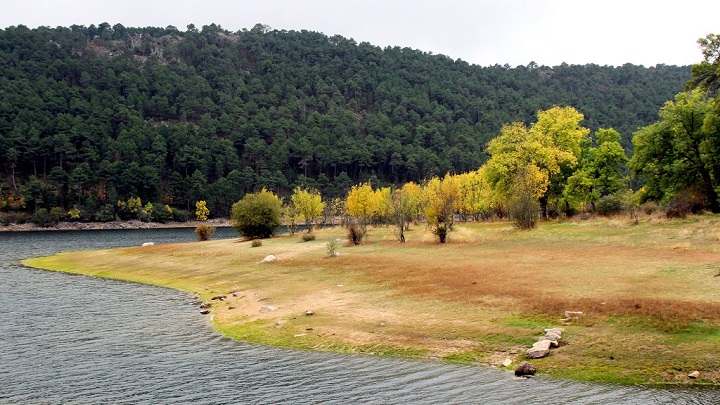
93, 115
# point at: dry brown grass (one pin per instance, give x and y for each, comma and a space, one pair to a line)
482, 297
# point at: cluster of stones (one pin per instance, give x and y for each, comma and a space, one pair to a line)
541, 348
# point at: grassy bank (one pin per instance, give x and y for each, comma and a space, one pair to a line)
649, 294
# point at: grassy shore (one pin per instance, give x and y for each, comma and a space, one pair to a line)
649, 293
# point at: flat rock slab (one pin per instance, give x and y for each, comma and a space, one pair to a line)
551, 336
539, 349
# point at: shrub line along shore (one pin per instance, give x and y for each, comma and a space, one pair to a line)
647, 291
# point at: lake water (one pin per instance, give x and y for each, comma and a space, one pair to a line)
67, 339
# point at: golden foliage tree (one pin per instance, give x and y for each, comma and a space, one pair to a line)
405, 206
361, 204
309, 205
290, 216
441, 199
471, 200
201, 211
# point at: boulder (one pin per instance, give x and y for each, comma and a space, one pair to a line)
506, 363
205, 305
268, 308
525, 369
309, 312
148, 244
205, 311
219, 297
539, 349
695, 374
269, 259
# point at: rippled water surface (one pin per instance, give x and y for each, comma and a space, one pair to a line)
79, 340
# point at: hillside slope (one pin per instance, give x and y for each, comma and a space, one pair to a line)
103, 113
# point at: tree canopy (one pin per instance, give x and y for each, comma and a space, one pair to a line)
680, 151
100, 114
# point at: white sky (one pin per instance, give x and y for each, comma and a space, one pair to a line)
484, 32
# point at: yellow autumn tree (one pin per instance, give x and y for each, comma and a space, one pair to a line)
361, 204
470, 203
405, 206
522, 204
290, 217
201, 211
441, 199
309, 205
134, 205
383, 198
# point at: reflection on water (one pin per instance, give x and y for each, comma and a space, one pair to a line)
80, 340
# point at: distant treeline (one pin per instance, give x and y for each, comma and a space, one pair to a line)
93, 115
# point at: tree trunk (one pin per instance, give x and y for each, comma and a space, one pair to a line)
12, 167
442, 233
543, 208
710, 192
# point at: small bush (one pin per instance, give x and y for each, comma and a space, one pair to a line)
308, 237
5, 220
85, 215
332, 247
684, 203
649, 208
180, 215
57, 214
74, 214
42, 218
356, 233
160, 214
203, 232
106, 213
20, 219
610, 205
256, 243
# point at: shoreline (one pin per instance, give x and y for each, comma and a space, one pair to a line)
461, 302
112, 225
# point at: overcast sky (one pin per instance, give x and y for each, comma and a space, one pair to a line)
484, 32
